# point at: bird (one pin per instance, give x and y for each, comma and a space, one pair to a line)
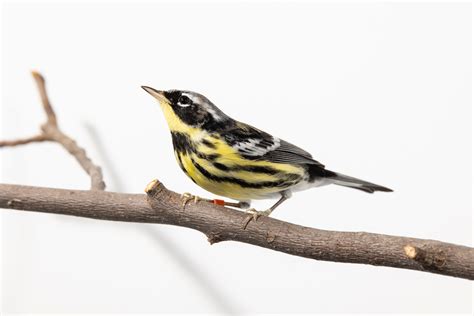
238, 161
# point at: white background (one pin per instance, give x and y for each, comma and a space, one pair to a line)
377, 91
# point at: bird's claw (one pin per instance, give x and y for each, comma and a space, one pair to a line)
254, 214
186, 197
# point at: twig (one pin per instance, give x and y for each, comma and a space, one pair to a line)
48, 109
24, 141
50, 131
219, 224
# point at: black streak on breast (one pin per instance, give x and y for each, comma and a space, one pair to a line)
182, 143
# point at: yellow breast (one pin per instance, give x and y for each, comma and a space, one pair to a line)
221, 170
218, 168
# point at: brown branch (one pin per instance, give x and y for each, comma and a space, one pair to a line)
50, 131
23, 141
219, 224
48, 109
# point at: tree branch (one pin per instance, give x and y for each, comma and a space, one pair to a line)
24, 141
218, 223
50, 131
48, 109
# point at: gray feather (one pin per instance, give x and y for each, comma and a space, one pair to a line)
289, 153
346, 181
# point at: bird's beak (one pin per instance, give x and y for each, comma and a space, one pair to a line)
159, 95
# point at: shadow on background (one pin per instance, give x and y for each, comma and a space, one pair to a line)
196, 274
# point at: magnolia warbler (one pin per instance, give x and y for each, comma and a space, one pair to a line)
233, 159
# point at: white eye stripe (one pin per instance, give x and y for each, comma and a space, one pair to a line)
213, 112
191, 97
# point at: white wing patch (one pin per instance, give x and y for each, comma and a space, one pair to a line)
257, 147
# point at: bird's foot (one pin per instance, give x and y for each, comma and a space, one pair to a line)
186, 197
254, 214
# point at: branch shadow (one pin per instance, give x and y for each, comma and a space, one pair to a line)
222, 303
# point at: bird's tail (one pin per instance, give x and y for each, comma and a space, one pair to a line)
350, 182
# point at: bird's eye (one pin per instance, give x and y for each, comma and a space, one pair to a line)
184, 101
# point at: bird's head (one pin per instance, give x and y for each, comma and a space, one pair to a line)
184, 109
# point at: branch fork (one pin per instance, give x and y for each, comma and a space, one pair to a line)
50, 131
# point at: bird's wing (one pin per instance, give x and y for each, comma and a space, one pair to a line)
255, 144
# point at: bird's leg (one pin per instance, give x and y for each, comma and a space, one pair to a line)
240, 204
186, 197
253, 213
